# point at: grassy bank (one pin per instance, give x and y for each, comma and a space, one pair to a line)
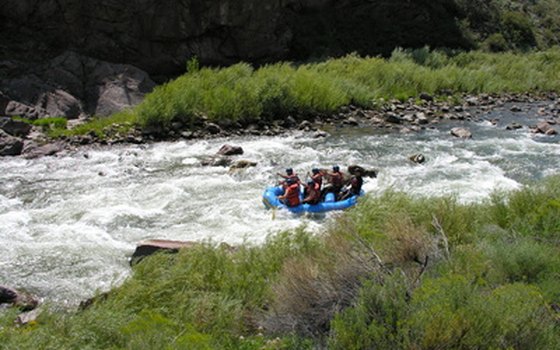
393, 273
244, 94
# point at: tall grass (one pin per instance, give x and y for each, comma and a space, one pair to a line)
395, 272
242, 93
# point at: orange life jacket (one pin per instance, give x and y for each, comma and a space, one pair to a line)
292, 195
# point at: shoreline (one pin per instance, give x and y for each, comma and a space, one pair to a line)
413, 115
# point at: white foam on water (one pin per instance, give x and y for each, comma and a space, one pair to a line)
68, 224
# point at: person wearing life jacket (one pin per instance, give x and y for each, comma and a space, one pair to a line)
312, 193
289, 175
317, 177
356, 182
336, 180
291, 193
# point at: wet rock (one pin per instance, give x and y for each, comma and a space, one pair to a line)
14, 127
515, 109
10, 145
514, 126
149, 247
33, 150
319, 134
351, 121
392, 118
417, 158
305, 125
24, 301
213, 128
461, 133
544, 127
229, 150
421, 118
242, 164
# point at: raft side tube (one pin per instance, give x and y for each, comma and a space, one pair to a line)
270, 199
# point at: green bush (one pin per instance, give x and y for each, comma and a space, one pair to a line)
495, 43
518, 30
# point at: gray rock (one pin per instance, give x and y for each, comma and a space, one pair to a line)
417, 158
213, 128
319, 134
10, 145
242, 164
32, 150
149, 247
229, 150
14, 127
70, 85
461, 133
514, 126
544, 127
392, 118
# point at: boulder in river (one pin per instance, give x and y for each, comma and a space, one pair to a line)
461, 133
544, 127
417, 158
242, 164
229, 150
33, 150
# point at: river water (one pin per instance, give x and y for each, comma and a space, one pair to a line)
68, 224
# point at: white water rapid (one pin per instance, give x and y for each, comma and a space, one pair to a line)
69, 223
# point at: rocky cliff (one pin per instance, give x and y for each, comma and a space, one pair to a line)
158, 37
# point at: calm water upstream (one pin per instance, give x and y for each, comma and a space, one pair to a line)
69, 224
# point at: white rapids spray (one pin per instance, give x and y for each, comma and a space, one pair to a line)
68, 224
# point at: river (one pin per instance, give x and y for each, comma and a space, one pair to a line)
68, 224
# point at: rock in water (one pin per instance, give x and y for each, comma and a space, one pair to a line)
149, 247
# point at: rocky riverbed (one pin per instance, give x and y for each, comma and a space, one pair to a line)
18, 138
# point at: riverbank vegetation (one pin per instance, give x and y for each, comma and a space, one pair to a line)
395, 272
243, 94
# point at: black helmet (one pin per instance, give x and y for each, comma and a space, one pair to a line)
289, 171
315, 170
335, 168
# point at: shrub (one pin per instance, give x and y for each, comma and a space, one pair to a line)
518, 30
374, 320
495, 43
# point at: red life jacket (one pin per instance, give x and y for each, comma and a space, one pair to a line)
292, 195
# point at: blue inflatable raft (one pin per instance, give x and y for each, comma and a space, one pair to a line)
270, 200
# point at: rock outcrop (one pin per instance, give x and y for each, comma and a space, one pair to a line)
72, 85
71, 57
